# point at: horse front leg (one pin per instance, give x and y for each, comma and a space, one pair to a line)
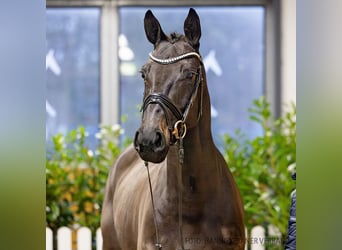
109, 236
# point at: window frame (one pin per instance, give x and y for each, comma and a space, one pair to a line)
109, 32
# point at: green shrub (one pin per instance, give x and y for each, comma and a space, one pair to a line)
262, 166
76, 177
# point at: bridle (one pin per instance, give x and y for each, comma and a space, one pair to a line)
177, 130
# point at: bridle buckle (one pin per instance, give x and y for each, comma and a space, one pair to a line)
179, 129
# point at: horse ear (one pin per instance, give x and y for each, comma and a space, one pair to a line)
153, 30
192, 28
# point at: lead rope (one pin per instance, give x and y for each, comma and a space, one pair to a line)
158, 245
180, 191
179, 132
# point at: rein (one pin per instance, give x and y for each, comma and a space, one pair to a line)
177, 131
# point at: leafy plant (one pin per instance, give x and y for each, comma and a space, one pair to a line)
76, 177
262, 166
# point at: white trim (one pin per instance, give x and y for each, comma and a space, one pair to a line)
75, 3
68, 3
272, 56
288, 54
190, 2
109, 65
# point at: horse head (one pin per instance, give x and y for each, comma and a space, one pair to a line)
173, 87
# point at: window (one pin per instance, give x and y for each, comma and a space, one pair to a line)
72, 64
100, 46
232, 46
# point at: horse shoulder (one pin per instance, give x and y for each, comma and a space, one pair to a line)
233, 225
124, 162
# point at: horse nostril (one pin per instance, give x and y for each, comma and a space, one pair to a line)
150, 144
149, 141
158, 139
136, 141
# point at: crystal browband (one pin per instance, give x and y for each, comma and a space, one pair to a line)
175, 59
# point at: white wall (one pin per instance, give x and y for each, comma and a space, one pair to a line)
288, 52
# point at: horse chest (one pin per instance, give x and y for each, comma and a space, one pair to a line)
200, 231
196, 237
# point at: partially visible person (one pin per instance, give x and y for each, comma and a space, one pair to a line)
291, 231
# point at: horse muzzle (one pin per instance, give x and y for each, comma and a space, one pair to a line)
151, 145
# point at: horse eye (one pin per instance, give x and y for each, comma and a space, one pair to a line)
143, 76
189, 75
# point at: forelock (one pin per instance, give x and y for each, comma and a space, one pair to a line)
174, 37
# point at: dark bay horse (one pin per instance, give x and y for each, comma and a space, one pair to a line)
175, 143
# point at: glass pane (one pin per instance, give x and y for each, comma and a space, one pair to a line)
232, 45
72, 69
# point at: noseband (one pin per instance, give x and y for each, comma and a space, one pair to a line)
178, 129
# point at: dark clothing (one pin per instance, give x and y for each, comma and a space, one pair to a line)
291, 238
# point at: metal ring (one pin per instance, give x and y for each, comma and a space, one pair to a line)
175, 131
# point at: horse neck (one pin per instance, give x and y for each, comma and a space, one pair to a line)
199, 170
